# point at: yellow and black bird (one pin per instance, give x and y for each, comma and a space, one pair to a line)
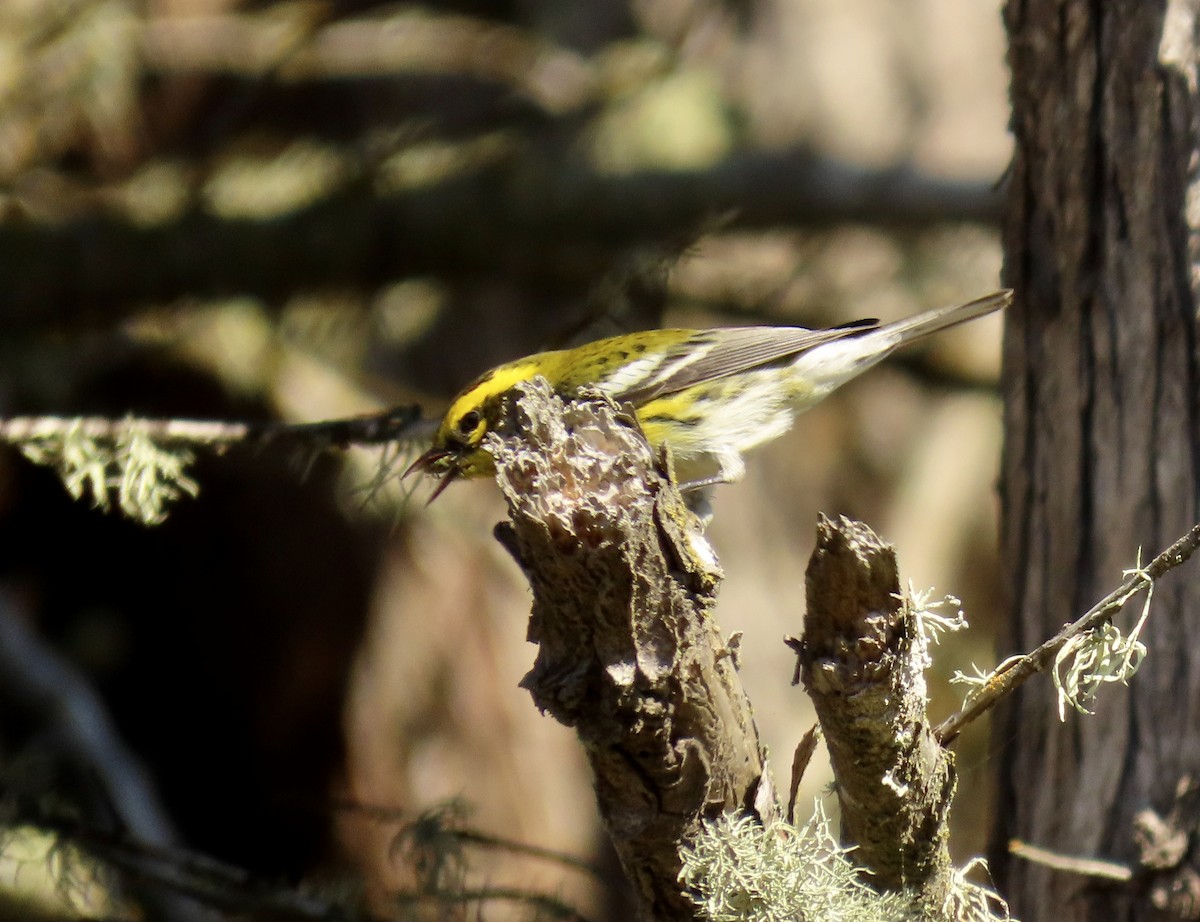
710, 394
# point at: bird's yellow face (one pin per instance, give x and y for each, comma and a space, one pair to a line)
457, 449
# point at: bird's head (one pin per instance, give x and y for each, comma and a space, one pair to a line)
457, 449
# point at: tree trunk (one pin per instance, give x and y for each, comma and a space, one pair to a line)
1102, 435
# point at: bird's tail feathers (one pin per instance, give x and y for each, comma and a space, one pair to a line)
941, 318
831, 364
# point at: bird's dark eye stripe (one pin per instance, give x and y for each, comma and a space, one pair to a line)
469, 421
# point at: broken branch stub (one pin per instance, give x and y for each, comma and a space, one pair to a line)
628, 653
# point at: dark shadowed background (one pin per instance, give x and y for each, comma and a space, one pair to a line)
236, 210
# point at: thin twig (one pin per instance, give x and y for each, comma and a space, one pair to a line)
463, 834
1088, 867
398, 423
1008, 678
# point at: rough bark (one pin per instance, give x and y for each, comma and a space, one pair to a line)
1102, 435
862, 662
628, 653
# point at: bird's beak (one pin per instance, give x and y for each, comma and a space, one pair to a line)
427, 463
431, 463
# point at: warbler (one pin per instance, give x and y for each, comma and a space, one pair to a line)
710, 394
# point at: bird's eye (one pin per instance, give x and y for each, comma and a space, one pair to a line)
469, 422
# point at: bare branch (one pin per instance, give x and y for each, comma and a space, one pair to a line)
398, 423
143, 463
863, 660
1087, 867
294, 48
559, 226
1006, 679
74, 731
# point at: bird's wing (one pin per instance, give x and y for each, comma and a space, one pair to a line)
728, 351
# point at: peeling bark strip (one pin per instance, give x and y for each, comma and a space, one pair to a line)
623, 589
862, 663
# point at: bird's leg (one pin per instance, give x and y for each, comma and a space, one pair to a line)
730, 470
